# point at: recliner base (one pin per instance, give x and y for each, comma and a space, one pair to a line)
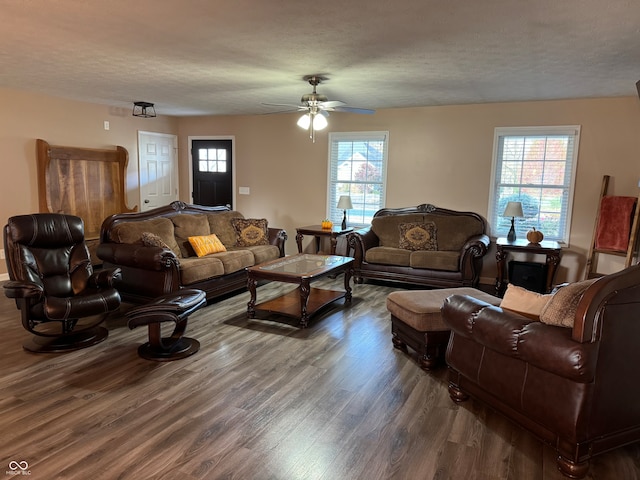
66, 343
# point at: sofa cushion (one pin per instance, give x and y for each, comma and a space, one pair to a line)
206, 244
220, 224
187, 225
418, 236
196, 269
261, 253
560, 310
251, 231
435, 260
131, 232
387, 227
454, 231
234, 260
523, 301
388, 256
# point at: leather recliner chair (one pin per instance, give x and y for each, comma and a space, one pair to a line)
575, 388
61, 299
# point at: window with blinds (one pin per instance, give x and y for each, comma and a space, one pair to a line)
358, 168
535, 166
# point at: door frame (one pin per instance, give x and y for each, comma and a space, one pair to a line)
176, 162
232, 138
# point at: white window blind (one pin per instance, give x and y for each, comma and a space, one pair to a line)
535, 166
358, 168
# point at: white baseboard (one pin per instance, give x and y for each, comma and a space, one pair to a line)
4, 276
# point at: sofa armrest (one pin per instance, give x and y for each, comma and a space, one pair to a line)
471, 255
360, 241
137, 256
278, 237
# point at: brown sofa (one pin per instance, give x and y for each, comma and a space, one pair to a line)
575, 387
151, 271
453, 259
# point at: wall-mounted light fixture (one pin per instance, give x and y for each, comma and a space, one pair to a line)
143, 109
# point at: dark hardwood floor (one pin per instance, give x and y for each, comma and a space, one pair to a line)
260, 400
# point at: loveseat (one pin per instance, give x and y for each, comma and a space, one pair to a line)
566, 370
423, 245
156, 257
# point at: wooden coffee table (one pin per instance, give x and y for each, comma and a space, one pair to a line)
301, 269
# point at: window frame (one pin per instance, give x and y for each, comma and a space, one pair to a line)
333, 213
494, 216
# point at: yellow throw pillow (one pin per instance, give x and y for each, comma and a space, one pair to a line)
523, 301
206, 244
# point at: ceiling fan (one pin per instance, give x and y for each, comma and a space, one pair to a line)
316, 107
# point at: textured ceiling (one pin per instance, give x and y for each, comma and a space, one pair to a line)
194, 57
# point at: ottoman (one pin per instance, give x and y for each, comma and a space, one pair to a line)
173, 307
416, 321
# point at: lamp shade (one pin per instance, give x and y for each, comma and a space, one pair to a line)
319, 122
513, 209
304, 121
344, 202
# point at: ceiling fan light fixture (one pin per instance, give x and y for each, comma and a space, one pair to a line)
319, 122
304, 121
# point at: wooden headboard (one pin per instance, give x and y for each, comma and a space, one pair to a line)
85, 182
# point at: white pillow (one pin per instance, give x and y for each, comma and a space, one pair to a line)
523, 301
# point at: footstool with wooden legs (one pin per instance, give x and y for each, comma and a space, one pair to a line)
416, 321
173, 307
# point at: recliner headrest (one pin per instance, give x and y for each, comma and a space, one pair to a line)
46, 229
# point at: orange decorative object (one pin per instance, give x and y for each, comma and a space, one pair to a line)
534, 236
327, 224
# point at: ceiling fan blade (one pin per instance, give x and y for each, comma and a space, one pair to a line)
297, 107
332, 104
353, 110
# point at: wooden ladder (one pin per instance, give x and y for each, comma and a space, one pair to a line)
592, 259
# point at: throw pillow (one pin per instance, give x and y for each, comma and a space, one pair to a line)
250, 231
152, 240
206, 244
418, 236
561, 309
523, 301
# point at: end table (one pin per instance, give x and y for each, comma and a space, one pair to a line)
550, 248
318, 232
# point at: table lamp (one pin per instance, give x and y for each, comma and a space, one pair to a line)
513, 210
344, 203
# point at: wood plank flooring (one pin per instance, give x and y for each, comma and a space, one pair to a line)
260, 400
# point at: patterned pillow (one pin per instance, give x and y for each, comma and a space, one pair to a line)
152, 240
206, 244
418, 236
250, 231
561, 309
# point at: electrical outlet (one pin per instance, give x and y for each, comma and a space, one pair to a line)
106, 124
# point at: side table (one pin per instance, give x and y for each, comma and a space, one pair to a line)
318, 232
550, 248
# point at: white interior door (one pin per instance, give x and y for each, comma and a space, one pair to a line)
158, 167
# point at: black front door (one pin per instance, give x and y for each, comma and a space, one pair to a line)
212, 172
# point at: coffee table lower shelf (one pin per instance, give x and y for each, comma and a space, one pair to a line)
290, 304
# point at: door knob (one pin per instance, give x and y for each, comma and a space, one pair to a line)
146, 201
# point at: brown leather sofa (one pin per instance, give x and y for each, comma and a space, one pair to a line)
575, 388
148, 272
454, 259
